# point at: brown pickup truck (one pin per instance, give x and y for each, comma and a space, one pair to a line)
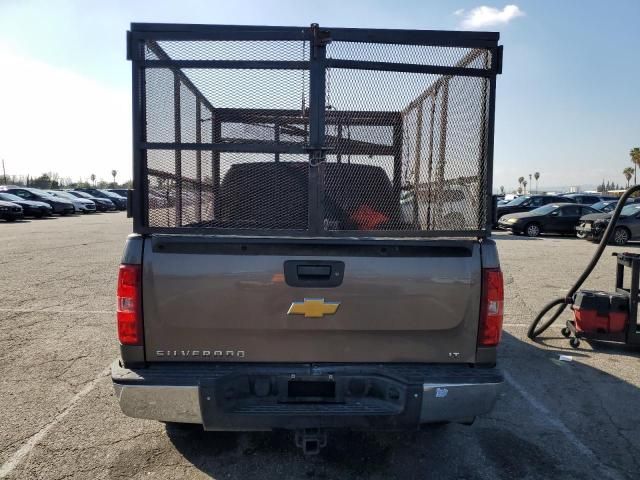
309, 267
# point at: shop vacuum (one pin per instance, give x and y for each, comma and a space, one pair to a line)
602, 316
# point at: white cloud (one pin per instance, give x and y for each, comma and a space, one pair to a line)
459, 12
484, 16
53, 119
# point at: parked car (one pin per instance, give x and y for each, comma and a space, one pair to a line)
10, 211
609, 205
526, 203
118, 201
591, 227
119, 191
553, 218
102, 204
58, 205
30, 208
587, 198
82, 205
452, 208
605, 205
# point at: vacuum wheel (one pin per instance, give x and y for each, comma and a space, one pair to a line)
566, 333
574, 342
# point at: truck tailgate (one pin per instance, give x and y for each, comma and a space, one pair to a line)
206, 299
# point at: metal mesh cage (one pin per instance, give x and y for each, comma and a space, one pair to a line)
279, 130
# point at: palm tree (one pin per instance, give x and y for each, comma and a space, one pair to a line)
536, 176
524, 184
520, 180
501, 189
519, 190
635, 159
113, 174
93, 179
628, 173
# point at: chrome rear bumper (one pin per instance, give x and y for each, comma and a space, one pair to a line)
441, 401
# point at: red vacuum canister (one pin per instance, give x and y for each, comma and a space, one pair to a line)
600, 312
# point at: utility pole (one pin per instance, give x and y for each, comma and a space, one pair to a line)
530, 183
4, 172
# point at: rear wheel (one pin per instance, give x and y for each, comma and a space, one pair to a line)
620, 236
532, 230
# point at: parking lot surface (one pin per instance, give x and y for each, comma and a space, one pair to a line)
59, 419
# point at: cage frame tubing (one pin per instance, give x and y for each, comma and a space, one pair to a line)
441, 38
140, 174
317, 99
351, 236
177, 124
355, 147
330, 63
199, 159
495, 60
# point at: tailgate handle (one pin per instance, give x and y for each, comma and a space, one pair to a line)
314, 271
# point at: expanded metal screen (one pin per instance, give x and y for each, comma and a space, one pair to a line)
312, 132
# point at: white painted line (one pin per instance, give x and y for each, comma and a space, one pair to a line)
556, 423
26, 449
31, 310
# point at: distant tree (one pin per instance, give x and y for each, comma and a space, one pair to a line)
628, 173
519, 190
634, 153
536, 176
524, 184
113, 174
55, 179
43, 181
93, 178
501, 189
520, 180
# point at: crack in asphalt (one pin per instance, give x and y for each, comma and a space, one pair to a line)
23, 452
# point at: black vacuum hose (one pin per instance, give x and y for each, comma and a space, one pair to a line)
562, 302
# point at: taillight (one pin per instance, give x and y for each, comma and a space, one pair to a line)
491, 309
129, 313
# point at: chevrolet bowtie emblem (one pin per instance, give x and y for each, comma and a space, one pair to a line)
313, 307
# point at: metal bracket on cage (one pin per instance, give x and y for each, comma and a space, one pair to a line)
317, 155
321, 38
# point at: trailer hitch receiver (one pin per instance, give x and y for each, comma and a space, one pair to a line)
311, 440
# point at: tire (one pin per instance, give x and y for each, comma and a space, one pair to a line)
10, 219
574, 342
39, 215
566, 333
620, 236
532, 230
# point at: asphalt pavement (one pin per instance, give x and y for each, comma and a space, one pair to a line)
59, 418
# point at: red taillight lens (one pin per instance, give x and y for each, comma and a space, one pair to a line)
491, 308
128, 310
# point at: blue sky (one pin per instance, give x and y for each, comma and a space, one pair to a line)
568, 102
